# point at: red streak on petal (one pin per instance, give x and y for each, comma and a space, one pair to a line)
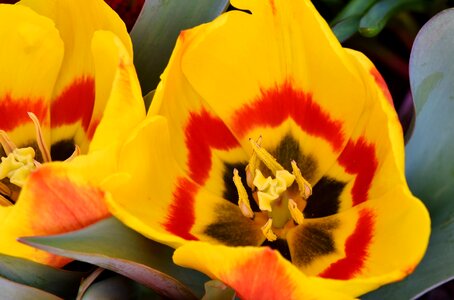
382, 84
74, 104
356, 249
203, 133
276, 105
13, 111
181, 212
260, 277
91, 130
273, 7
359, 158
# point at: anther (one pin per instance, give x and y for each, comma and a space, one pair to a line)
7, 144
266, 157
40, 139
296, 214
243, 200
268, 232
305, 187
252, 166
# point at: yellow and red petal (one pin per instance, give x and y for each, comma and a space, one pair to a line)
52, 201
380, 241
168, 206
26, 86
75, 109
254, 273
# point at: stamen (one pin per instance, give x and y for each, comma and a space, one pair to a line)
304, 186
268, 232
266, 157
74, 155
4, 189
4, 201
297, 215
40, 139
6, 142
252, 166
243, 200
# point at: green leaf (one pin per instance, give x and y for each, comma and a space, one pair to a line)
378, 15
118, 288
346, 28
111, 245
430, 153
16, 291
157, 29
354, 8
56, 281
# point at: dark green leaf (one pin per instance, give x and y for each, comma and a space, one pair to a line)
59, 282
157, 29
111, 245
16, 291
378, 15
430, 153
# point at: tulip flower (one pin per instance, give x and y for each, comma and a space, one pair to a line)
64, 64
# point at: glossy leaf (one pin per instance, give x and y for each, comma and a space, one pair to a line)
13, 290
157, 29
378, 15
111, 245
56, 281
430, 153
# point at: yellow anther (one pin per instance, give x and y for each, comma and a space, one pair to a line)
40, 139
268, 232
266, 157
253, 165
7, 144
243, 200
304, 186
296, 214
18, 165
270, 189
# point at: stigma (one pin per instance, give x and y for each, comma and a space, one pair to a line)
281, 195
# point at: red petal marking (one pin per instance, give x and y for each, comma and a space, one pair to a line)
181, 212
75, 104
382, 84
203, 133
273, 7
13, 112
359, 158
274, 106
356, 249
260, 277
93, 126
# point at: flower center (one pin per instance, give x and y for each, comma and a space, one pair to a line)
18, 163
274, 194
